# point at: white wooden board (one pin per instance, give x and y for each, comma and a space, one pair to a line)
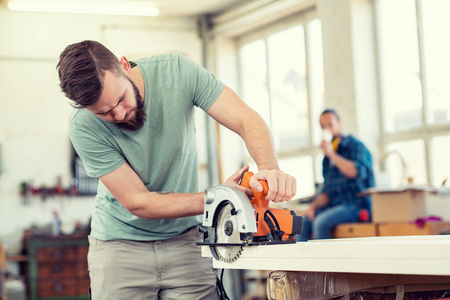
426, 255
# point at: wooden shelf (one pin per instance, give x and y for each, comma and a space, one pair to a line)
16, 258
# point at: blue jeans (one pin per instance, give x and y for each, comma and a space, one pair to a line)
325, 221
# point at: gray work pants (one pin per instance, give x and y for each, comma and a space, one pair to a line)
166, 269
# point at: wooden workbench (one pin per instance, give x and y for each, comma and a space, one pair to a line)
420, 255
346, 265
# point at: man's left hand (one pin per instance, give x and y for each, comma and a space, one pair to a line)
234, 179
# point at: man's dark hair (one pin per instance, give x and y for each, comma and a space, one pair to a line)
331, 111
81, 69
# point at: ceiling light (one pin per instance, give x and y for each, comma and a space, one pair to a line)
101, 7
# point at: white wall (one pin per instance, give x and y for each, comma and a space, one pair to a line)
350, 67
33, 112
338, 60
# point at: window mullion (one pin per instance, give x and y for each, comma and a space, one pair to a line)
269, 89
423, 81
308, 98
423, 78
308, 92
428, 162
381, 107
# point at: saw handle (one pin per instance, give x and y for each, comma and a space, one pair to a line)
259, 199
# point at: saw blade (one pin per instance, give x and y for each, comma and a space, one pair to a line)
227, 232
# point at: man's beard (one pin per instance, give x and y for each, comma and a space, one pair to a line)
140, 116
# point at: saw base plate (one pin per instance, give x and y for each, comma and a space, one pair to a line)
266, 243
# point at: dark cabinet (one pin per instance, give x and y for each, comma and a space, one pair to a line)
58, 268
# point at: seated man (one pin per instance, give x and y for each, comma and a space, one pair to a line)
347, 170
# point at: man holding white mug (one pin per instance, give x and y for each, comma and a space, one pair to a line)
347, 170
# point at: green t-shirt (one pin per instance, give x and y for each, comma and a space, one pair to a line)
163, 153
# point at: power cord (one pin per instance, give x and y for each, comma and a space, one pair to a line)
220, 289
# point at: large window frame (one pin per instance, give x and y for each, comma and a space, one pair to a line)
427, 131
312, 149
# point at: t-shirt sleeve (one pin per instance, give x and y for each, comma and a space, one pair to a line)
99, 157
202, 86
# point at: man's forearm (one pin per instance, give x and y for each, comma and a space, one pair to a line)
259, 142
230, 111
345, 166
127, 187
320, 201
163, 205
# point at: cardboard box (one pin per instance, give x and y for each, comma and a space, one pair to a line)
283, 285
2, 258
353, 230
398, 205
429, 228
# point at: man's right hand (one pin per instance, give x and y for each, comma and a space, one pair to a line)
327, 148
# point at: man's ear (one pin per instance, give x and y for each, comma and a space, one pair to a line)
125, 64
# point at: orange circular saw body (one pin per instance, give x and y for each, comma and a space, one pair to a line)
284, 217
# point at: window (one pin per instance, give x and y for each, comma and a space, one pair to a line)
414, 62
400, 72
409, 165
315, 76
436, 58
301, 167
441, 160
281, 77
287, 86
254, 75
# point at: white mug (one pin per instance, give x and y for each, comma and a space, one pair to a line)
327, 136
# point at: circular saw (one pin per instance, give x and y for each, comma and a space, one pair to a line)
227, 233
234, 221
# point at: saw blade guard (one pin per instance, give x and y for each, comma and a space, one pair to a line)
214, 198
